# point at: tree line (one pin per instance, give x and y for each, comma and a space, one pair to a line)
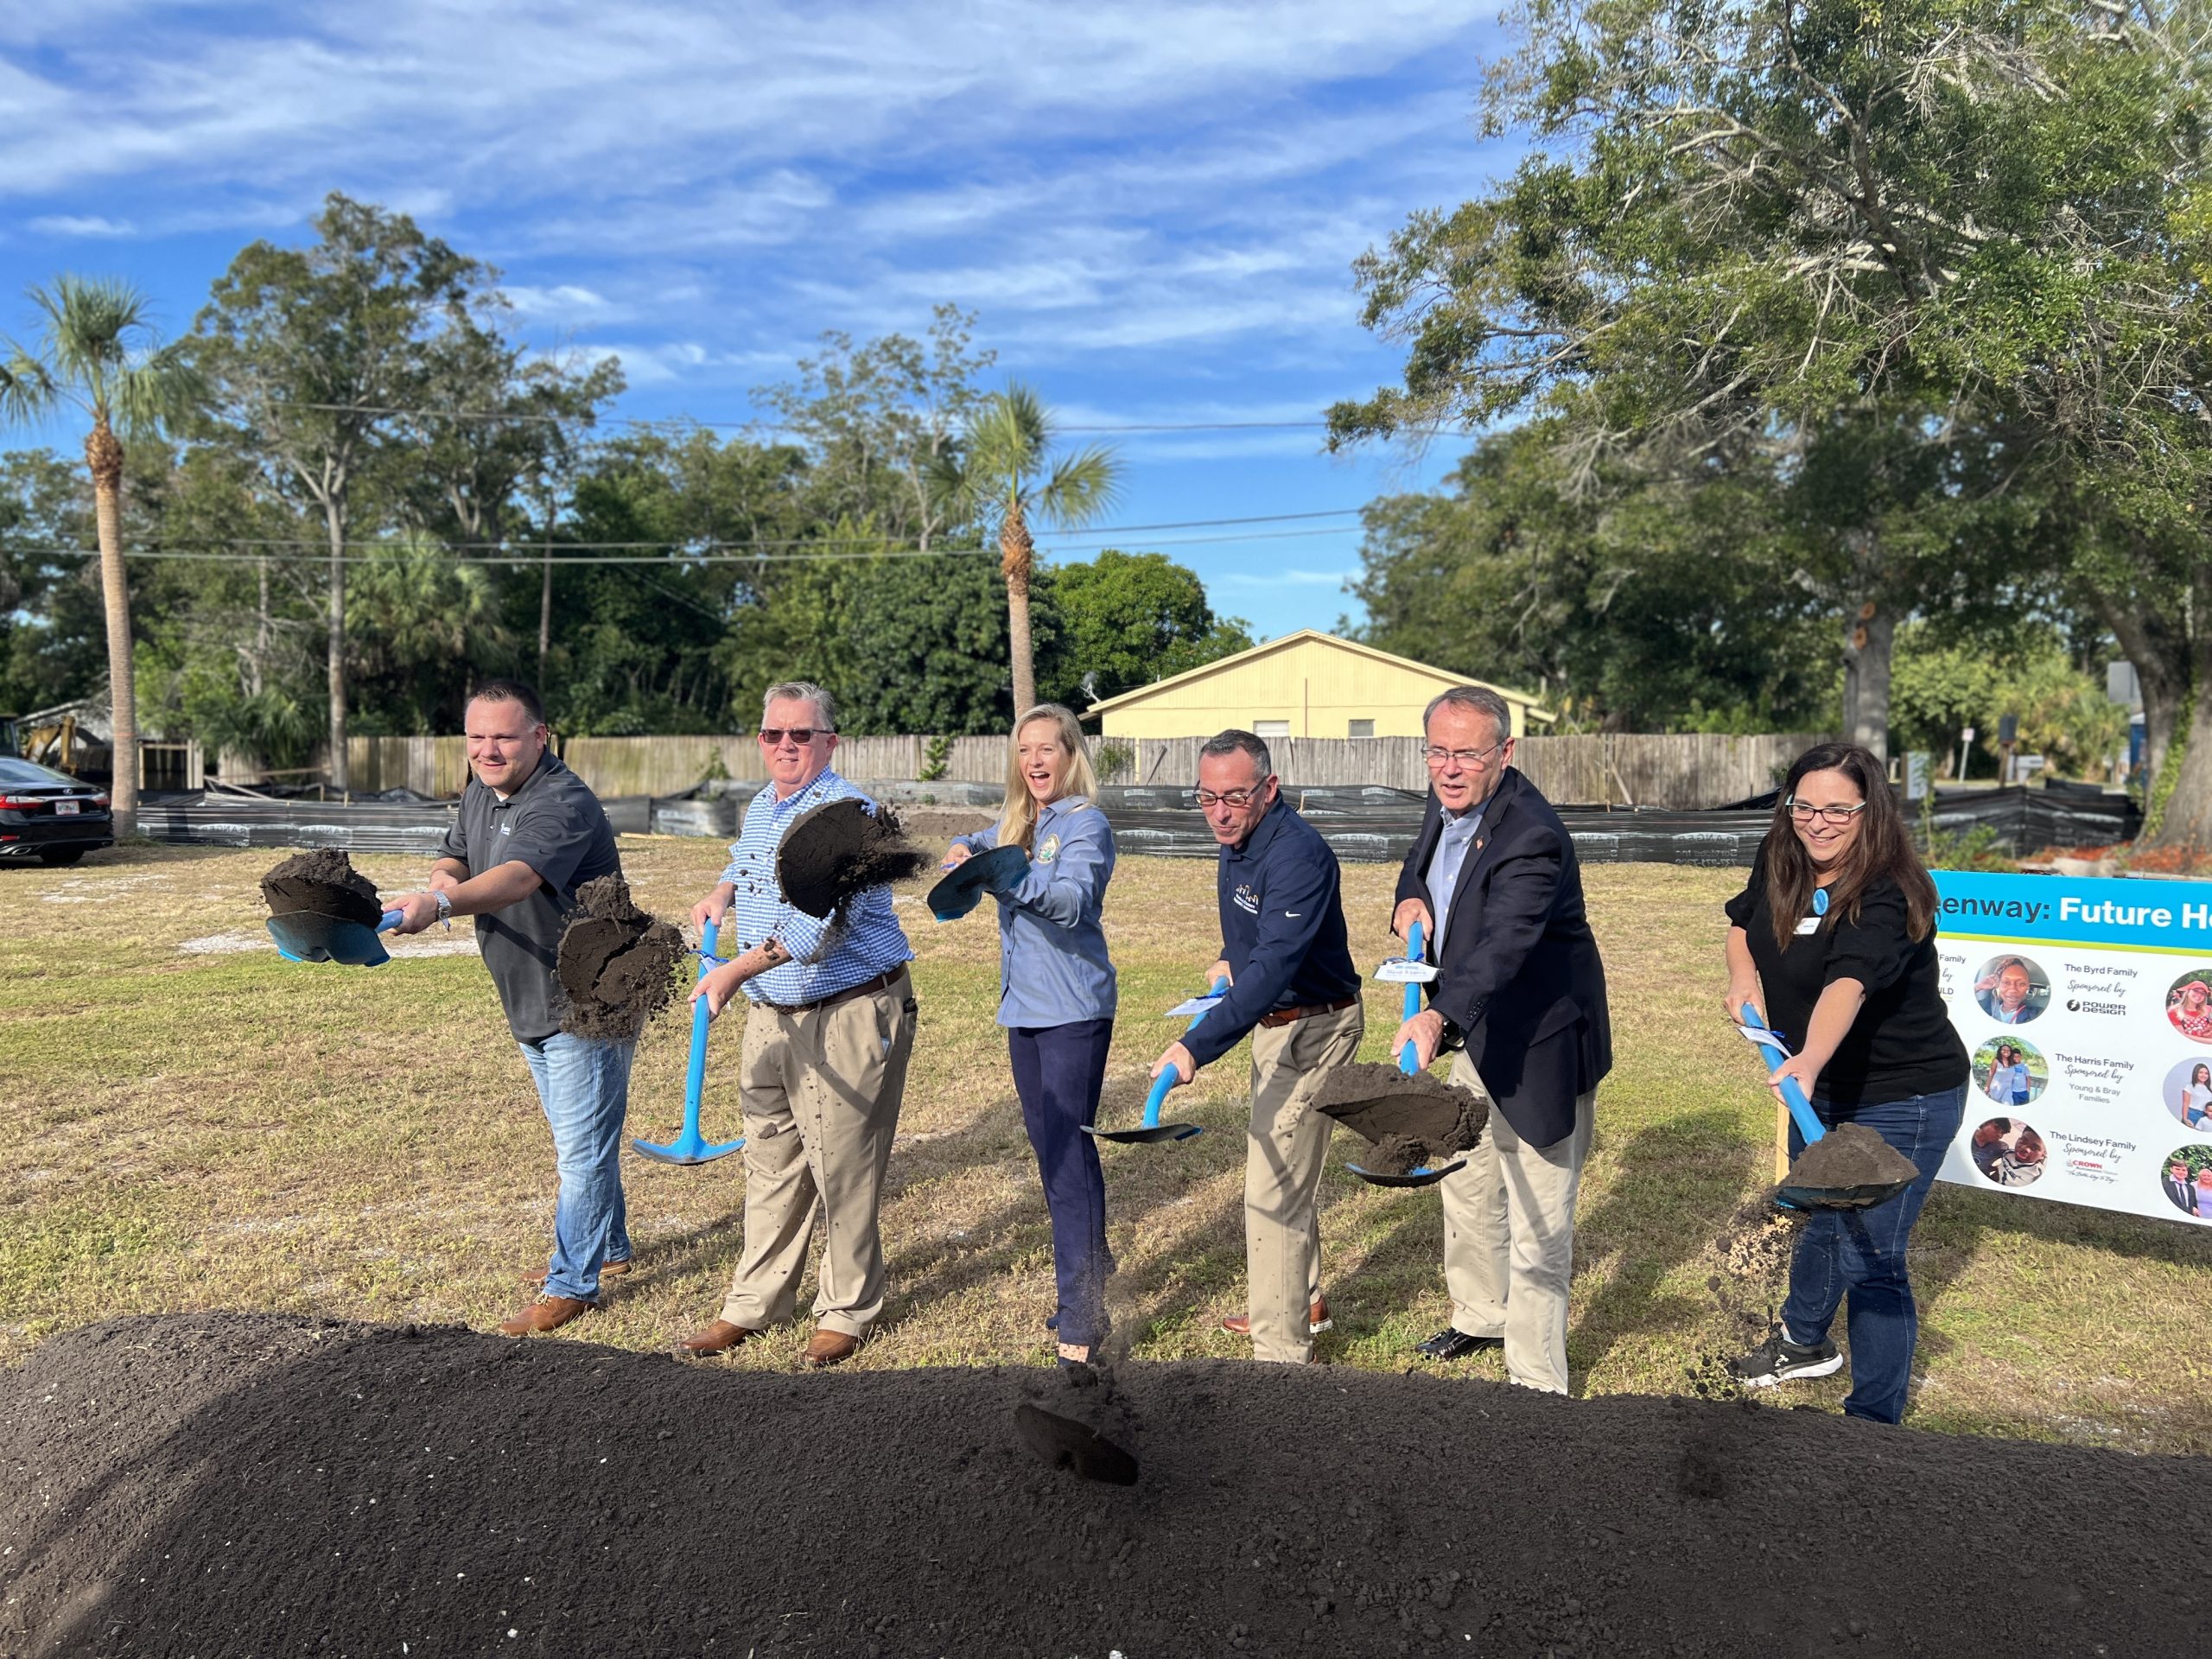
1820, 343
350, 490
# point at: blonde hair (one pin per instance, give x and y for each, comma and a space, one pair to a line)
1018, 825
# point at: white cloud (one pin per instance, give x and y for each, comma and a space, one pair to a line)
90, 225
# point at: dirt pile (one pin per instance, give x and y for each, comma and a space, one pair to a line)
838, 850
1414, 1120
323, 883
1849, 1155
616, 964
251, 1485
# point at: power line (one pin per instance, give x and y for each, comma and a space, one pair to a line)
321, 544
678, 557
526, 416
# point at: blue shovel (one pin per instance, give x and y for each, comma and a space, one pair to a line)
1810, 1126
1413, 970
310, 936
1153, 1129
691, 1146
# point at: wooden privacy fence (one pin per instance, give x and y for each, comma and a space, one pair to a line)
1684, 772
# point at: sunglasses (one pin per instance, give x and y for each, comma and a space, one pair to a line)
802, 735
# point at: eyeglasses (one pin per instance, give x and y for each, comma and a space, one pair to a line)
1239, 798
1805, 812
802, 735
1469, 759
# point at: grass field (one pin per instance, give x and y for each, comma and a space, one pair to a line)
190, 1123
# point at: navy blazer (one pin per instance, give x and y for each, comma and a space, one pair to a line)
1520, 974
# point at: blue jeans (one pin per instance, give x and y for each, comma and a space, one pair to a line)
1861, 1254
584, 1086
1058, 1070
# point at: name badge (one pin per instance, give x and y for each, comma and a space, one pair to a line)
1808, 925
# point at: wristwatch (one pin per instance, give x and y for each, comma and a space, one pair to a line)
445, 905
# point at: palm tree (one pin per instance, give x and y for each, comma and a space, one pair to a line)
98, 352
1007, 467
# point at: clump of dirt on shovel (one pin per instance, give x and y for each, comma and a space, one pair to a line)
616, 964
1849, 1155
321, 883
1415, 1118
838, 850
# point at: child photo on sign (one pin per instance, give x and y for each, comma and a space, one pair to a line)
2185, 1176
2008, 1151
2189, 1005
2011, 989
2010, 1072
2187, 1093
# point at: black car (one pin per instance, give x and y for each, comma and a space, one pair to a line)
50, 816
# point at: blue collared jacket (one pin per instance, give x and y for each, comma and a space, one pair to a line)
1052, 965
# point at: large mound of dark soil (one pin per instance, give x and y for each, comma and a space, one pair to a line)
616, 964
838, 850
325, 883
1414, 1119
258, 1485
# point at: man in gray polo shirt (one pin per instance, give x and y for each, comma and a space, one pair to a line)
528, 834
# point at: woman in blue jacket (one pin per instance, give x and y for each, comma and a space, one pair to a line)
1057, 998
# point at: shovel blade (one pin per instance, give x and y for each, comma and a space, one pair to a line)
308, 935
1143, 1137
686, 1150
1838, 1198
1423, 1177
1064, 1443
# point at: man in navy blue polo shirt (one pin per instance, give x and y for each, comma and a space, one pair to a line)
1292, 986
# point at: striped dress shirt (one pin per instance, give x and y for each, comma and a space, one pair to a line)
827, 956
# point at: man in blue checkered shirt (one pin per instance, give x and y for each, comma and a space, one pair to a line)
828, 1025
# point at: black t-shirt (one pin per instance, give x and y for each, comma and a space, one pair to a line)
1903, 1043
554, 824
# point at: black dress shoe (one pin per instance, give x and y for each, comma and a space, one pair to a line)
1453, 1343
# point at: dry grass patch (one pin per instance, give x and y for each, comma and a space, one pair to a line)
199, 1127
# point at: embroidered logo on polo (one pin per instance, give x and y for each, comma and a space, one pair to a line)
1048, 849
1245, 900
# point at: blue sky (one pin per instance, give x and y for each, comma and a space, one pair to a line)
1154, 208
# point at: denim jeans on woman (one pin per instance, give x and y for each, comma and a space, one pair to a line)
584, 1086
1857, 1257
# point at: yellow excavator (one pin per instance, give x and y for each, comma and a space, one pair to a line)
48, 738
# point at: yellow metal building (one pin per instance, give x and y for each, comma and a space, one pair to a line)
1305, 684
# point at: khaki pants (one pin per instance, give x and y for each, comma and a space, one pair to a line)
1284, 1152
821, 1092
1509, 1239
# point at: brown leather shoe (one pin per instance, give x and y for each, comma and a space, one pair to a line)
1240, 1325
718, 1339
546, 1313
607, 1270
828, 1348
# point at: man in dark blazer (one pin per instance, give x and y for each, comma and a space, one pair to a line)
1521, 993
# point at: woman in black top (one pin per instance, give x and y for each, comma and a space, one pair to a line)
1834, 941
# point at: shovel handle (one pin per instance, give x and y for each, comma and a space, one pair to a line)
1801, 1110
694, 1075
1409, 1062
391, 919
1168, 1079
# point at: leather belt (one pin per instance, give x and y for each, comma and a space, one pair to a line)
1287, 1016
882, 981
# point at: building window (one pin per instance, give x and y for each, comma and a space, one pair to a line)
1271, 728
1359, 729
